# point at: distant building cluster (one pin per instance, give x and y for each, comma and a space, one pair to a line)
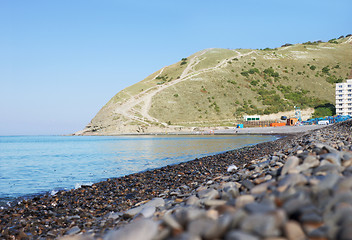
344, 98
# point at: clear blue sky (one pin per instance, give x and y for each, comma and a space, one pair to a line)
62, 60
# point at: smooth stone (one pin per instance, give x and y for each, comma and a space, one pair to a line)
292, 180
240, 235
258, 189
212, 214
319, 233
219, 229
311, 217
68, 237
114, 215
192, 200
327, 167
330, 149
171, 222
156, 202
243, 200
232, 168
237, 218
333, 158
208, 194
344, 185
231, 193
148, 211
263, 207
264, 225
185, 215
345, 233
346, 156
280, 164
291, 163
309, 227
214, 202
210, 182
296, 203
73, 230
144, 229
347, 163
311, 161
227, 186
186, 236
294, 231
247, 184
264, 164
327, 182
201, 226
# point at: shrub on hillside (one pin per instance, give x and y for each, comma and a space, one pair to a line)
333, 79
324, 110
326, 69
183, 61
254, 82
333, 41
271, 72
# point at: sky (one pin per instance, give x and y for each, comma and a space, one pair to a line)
62, 60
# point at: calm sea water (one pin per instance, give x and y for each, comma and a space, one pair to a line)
38, 164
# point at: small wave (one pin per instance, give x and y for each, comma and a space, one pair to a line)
79, 185
53, 192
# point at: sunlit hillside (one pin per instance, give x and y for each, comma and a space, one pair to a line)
215, 87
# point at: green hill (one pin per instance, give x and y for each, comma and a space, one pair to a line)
217, 86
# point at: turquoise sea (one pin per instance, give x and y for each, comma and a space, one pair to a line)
31, 165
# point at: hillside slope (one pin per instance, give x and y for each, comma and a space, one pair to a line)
215, 87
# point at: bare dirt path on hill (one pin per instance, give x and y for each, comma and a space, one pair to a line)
144, 99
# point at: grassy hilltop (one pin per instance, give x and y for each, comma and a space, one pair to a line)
214, 87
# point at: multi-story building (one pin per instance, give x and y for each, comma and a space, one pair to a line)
344, 98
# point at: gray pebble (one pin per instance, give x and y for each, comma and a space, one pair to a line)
240, 235
144, 229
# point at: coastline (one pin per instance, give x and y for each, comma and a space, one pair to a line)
97, 209
284, 130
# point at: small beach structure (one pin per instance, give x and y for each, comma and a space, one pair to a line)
252, 118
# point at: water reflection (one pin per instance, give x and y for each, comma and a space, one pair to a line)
157, 151
39, 164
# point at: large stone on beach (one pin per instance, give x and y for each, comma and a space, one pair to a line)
73, 230
156, 202
247, 184
291, 163
291, 180
144, 229
333, 158
171, 222
186, 215
202, 227
243, 200
209, 228
294, 231
263, 187
208, 194
263, 225
263, 207
240, 235
325, 167
193, 200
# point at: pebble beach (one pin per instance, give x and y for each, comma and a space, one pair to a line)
297, 187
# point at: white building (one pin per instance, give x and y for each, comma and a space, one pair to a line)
344, 98
252, 118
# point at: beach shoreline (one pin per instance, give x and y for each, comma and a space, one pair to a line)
96, 210
283, 130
